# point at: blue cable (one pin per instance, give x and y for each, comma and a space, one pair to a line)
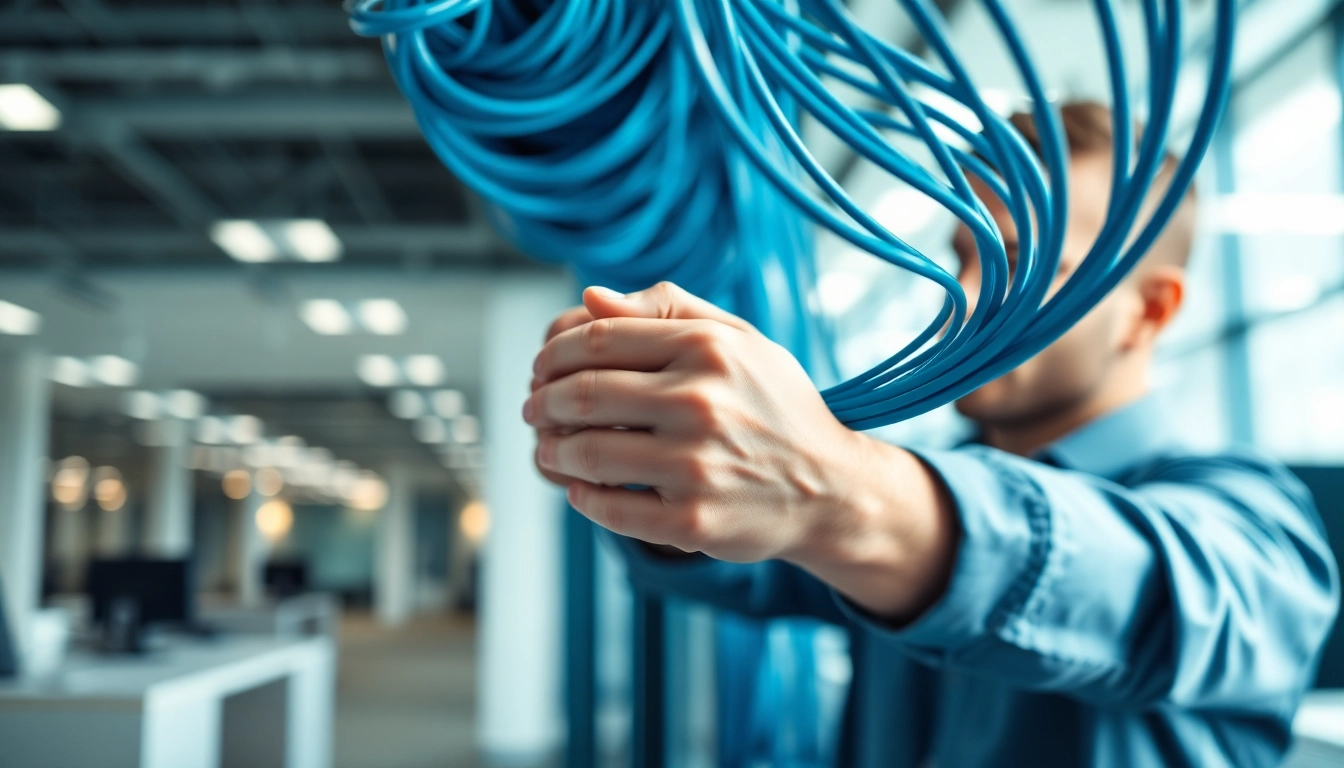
642, 140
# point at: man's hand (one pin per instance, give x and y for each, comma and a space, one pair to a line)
729, 447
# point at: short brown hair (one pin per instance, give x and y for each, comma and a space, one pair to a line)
1088, 131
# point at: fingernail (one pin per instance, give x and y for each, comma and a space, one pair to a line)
545, 452
528, 409
607, 292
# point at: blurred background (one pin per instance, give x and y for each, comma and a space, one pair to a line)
262, 473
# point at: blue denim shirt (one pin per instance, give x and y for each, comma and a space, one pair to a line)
1116, 601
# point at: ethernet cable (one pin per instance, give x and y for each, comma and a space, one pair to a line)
643, 140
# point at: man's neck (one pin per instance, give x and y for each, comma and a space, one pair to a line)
1028, 436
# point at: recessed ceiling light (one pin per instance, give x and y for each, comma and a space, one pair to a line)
24, 109
114, 371
141, 405
244, 430
18, 321
383, 317
378, 371
183, 404
430, 429
312, 240
424, 370
406, 404
244, 240
466, 430
448, 403
70, 371
326, 317
211, 430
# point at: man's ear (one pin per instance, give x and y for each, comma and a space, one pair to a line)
1161, 291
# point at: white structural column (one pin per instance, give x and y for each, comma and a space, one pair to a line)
247, 552
168, 508
518, 694
25, 411
394, 571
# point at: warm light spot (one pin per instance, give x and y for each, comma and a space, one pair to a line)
474, 521
237, 484
274, 519
269, 481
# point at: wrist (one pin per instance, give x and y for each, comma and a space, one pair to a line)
886, 536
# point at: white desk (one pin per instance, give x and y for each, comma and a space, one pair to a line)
167, 710
1318, 732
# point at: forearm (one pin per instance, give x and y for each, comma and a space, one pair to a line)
890, 539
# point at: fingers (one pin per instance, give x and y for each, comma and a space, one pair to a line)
638, 514
627, 343
570, 318
665, 301
606, 456
598, 398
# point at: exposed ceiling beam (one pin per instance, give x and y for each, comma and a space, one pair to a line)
218, 67
186, 24
466, 243
300, 113
160, 180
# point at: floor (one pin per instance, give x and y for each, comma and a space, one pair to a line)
406, 696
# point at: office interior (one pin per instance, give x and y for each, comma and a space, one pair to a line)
265, 494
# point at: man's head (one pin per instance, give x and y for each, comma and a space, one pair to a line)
1102, 361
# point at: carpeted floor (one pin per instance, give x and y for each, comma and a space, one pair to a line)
406, 697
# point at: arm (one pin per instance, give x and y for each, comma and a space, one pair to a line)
1208, 585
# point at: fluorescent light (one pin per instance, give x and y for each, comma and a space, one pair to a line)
312, 240
424, 370
383, 317
113, 370
244, 430
211, 430
406, 404
326, 317
466, 430
1276, 214
24, 109
378, 370
141, 405
70, 371
430, 429
18, 321
183, 404
244, 240
448, 403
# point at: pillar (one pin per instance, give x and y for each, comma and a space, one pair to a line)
247, 550
394, 567
519, 681
169, 501
25, 410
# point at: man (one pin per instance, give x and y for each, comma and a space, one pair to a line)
1077, 589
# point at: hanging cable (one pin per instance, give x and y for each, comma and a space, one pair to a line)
645, 140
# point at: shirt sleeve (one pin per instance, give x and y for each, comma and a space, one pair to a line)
1208, 584
765, 590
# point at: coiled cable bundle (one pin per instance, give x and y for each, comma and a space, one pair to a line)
643, 140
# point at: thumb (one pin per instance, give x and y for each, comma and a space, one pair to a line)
664, 300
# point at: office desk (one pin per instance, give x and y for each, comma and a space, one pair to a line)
1318, 731
169, 709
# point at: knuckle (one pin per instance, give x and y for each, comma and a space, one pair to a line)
589, 454
713, 345
611, 515
694, 531
700, 407
585, 393
696, 470
596, 336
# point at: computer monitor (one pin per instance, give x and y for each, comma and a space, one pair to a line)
285, 578
9, 658
154, 591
